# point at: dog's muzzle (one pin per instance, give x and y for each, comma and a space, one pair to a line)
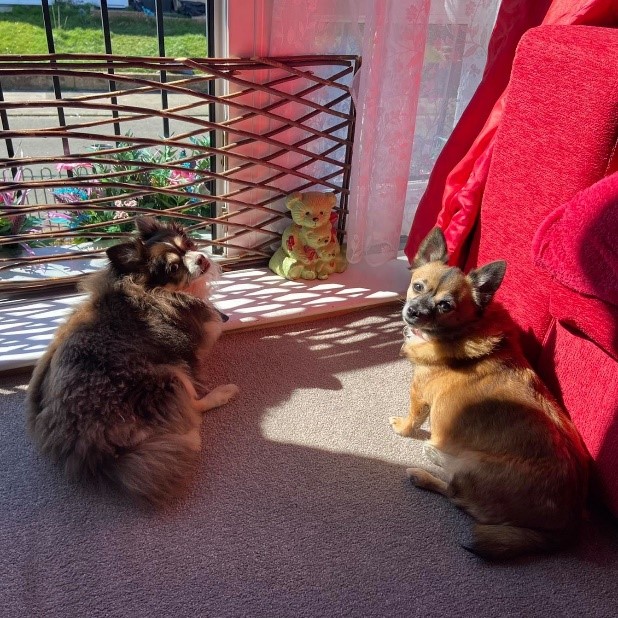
197, 263
415, 312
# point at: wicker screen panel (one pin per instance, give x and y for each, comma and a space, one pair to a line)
215, 144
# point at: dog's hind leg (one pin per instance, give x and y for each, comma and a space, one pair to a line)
433, 454
425, 480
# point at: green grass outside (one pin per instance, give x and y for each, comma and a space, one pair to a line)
77, 29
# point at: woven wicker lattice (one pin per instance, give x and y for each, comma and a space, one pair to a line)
214, 143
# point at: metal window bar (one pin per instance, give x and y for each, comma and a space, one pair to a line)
297, 137
108, 50
56, 82
161, 43
210, 38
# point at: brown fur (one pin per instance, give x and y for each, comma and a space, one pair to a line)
118, 395
510, 456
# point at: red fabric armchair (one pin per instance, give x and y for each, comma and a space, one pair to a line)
547, 210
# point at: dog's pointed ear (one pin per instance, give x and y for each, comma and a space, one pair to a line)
127, 257
485, 281
432, 249
147, 227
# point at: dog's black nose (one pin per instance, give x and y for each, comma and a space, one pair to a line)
415, 312
412, 313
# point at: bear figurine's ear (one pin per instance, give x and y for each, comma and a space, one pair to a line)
293, 200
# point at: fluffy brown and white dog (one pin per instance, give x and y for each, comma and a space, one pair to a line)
118, 395
509, 455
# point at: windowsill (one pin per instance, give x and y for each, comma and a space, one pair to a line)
253, 298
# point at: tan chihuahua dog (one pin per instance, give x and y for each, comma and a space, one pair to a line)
510, 457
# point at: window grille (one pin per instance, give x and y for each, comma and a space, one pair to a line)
231, 139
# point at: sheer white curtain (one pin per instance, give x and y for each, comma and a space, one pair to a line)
422, 60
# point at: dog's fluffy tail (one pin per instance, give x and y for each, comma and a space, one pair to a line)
156, 470
502, 542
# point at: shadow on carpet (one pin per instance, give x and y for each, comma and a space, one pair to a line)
300, 507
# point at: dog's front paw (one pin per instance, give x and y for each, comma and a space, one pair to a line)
217, 397
400, 425
225, 393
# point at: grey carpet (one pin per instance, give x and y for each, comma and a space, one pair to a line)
300, 507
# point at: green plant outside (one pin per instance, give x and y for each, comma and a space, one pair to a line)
188, 179
129, 162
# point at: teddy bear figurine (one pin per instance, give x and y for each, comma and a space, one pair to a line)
309, 247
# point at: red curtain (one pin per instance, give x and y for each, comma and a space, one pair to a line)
453, 196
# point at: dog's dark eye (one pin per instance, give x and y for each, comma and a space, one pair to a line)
417, 287
173, 267
445, 306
